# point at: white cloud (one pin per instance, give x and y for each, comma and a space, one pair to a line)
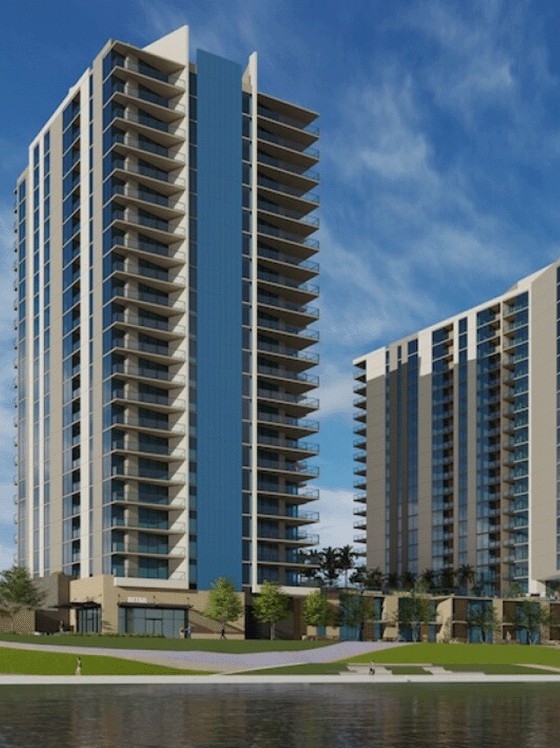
6, 555
335, 528
336, 390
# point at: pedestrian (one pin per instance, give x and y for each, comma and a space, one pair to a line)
79, 666
371, 668
189, 632
223, 634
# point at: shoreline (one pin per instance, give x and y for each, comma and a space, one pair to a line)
270, 680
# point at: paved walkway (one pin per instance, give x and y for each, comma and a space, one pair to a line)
200, 681
220, 661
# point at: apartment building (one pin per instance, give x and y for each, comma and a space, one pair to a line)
165, 301
457, 444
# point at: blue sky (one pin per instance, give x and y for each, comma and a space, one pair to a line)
440, 143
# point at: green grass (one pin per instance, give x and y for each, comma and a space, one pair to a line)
407, 670
465, 654
231, 646
319, 668
501, 669
31, 662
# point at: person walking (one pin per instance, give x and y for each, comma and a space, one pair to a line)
223, 634
79, 666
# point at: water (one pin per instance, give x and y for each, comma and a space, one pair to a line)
299, 716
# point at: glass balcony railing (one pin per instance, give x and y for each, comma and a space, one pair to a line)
286, 374
283, 118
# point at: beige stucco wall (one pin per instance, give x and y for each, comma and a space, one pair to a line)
103, 590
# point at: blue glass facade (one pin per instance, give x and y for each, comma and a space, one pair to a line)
219, 320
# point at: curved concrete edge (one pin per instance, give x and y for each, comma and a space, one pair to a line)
267, 680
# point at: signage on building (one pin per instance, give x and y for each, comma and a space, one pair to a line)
136, 599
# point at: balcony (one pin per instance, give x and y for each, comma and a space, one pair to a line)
307, 289
146, 373
288, 444
269, 229
296, 267
166, 254
295, 376
300, 470
146, 474
148, 424
159, 106
153, 502
158, 401
156, 178
160, 353
289, 190
174, 306
164, 452
143, 550
168, 132
170, 329
300, 495
297, 424
167, 206
304, 357
301, 402
288, 331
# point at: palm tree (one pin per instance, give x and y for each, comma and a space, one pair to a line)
447, 579
359, 576
312, 560
408, 580
346, 556
428, 579
392, 579
328, 565
374, 578
465, 577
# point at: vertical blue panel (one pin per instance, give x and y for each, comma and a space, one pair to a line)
219, 320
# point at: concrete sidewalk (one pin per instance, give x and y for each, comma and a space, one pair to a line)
269, 680
220, 661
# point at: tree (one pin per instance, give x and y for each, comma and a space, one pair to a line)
484, 617
354, 610
316, 610
392, 580
413, 612
374, 579
271, 606
428, 579
17, 591
530, 616
408, 580
359, 576
223, 604
312, 561
465, 577
447, 579
328, 565
346, 556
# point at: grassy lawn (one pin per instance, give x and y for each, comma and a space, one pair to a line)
229, 646
319, 668
30, 662
407, 670
465, 654
500, 669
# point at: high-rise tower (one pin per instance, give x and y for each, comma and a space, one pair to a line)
458, 461
165, 287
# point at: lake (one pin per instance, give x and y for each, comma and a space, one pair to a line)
281, 716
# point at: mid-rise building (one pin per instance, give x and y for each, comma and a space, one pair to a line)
457, 439
165, 268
